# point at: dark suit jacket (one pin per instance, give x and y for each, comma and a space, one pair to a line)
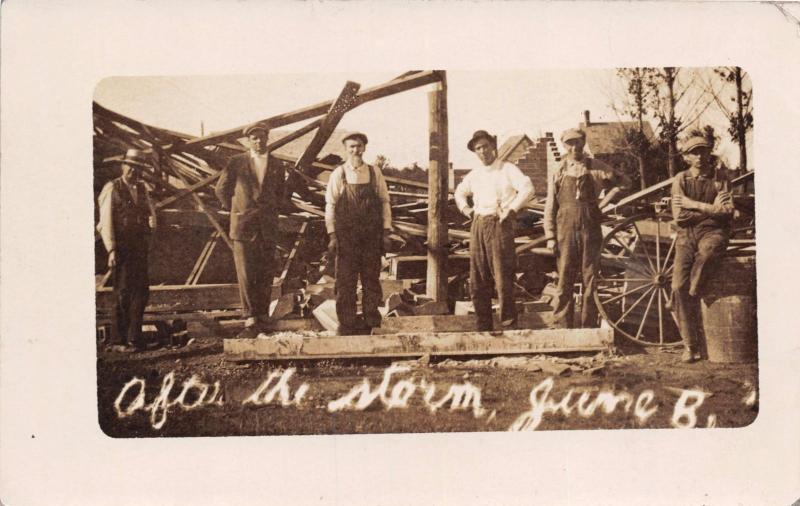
252, 211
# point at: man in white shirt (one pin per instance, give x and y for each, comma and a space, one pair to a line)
498, 190
252, 186
572, 225
127, 217
358, 218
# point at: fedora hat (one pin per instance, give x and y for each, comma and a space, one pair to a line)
254, 128
137, 157
356, 135
478, 135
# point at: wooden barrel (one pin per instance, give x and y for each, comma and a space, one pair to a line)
729, 311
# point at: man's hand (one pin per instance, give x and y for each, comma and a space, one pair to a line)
387, 241
723, 203
682, 202
112, 260
505, 213
333, 244
152, 222
468, 212
551, 244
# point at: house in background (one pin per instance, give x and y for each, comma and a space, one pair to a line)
606, 141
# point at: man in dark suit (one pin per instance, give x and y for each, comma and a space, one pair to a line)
127, 217
252, 188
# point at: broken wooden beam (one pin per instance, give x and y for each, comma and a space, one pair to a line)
454, 323
418, 344
436, 280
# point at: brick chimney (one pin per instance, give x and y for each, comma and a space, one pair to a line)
586, 118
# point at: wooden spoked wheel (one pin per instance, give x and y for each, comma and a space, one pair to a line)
633, 282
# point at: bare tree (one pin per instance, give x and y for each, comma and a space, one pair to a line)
740, 115
636, 80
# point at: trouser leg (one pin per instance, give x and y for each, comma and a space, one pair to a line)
139, 294
267, 275
709, 248
590, 260
503, 267
347, 267
370, 271
684, 304
119, 316
480, 275
569, 258
246, 257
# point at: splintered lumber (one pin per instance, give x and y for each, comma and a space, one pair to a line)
408, 267
418, 344
175, 298
221, 329
436, 281
341, 105
395, 86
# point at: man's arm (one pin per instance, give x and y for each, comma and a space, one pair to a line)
463, 191
682, 211
332, 193
550, 207
383, 195
612, 176
226, 184
106, 224
522, 184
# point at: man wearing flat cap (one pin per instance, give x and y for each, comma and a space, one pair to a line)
498, 190
702, 208
252, 187
127, 217
358, 218
572, 219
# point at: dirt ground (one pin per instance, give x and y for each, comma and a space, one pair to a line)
608, 391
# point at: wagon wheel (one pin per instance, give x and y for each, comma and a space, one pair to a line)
633, 282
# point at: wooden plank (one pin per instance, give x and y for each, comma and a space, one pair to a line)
293, 253
343, 103
182, 298
412, 267
202, 259
229, 328
214, 222
436, 280
453, 323
418, 344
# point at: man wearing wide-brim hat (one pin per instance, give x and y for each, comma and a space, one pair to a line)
358, 218
572, 219
498, 190
127, 217
702, 208
252, 187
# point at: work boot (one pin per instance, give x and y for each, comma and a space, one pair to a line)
249, 332
688, 356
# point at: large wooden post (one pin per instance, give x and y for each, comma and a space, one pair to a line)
436, 285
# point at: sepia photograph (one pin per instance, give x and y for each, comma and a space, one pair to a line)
434, 251
399, 253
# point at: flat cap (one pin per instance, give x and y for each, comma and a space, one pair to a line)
254, 128
573, 133
356, 135
481, 134
696, 141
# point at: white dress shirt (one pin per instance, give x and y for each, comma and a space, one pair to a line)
500, 185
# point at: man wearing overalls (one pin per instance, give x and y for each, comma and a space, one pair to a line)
572, 225
127, 218
702, 208
358, 217
498, 190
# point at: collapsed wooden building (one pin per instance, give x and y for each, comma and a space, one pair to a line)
193, 281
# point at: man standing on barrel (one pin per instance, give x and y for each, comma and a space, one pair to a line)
358, 218
127, 218
498, 190
252, 188
702, 208
572, 219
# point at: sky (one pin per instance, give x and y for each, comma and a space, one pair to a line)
504, 103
